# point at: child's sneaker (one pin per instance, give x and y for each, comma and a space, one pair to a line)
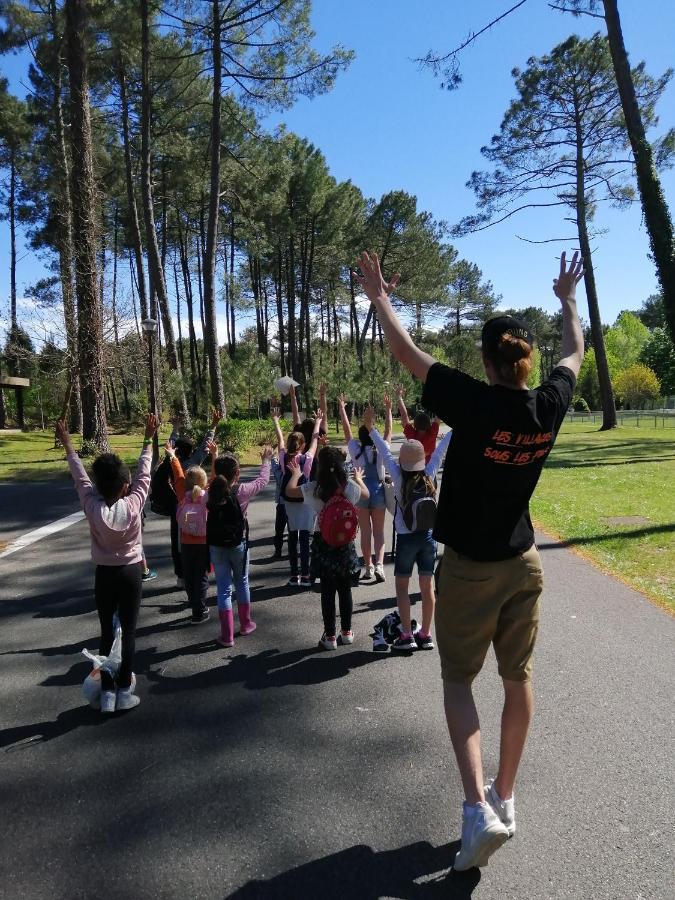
327, 643
345, 637
150, 575
126, 699
306, 581
424, 641
200, 618
482, 835
293, 581
368, 574
108, 701
505, 810
404, 642
379, 573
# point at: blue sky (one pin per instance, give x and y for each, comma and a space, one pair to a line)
388, 125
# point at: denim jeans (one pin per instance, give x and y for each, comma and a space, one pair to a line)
231, 566
420, 548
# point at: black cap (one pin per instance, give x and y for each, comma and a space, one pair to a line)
495, 328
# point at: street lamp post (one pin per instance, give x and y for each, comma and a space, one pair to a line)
149, 327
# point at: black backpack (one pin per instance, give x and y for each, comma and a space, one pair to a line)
286, 477
226, 525
419, 513
163, 500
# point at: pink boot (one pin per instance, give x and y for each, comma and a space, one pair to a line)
226, 638
246, 626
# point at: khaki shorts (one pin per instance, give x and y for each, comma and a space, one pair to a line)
483, 603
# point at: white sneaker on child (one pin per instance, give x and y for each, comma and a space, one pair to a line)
327, 642
108, 701
368, 574
505, 810
126, 699
482, 835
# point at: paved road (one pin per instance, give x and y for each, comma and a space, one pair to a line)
274, 771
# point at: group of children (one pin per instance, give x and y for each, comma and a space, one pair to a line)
323, 499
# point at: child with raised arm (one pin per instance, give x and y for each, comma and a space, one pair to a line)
113, 504
300, 516
227, 536
421, 429
371, 510
163, 498
334, 562
280, 517
191, 515
415, 491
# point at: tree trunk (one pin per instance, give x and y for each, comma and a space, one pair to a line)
279, 287
154, 259
195, 375
232, 327
604, 379
85, 224
123, 379
211, 333
657, 215
12, 239
181, 351
131, 197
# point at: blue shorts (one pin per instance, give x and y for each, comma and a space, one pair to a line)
377, 499
420, 548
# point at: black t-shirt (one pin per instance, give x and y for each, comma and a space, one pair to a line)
501, 438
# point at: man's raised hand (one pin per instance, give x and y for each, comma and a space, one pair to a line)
371, 279
565, 285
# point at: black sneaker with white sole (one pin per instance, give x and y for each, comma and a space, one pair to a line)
201, 617
404, 643
425, 642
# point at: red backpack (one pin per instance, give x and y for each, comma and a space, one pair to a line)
338, 521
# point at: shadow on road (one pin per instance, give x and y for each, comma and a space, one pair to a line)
608, 536
22, 737
416, 872
267, 669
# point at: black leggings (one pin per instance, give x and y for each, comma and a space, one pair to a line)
196, 565
303, 537
175, 548
329, 587
117, 589
280, 523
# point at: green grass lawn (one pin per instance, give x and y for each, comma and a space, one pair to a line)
629, 471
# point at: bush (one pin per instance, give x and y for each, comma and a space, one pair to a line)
241, 434
580, 405
636, 385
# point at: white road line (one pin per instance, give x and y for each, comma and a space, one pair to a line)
45, 531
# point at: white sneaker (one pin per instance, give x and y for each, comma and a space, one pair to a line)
126, 699
482, 835
345, 637
505, 810
327, 643
368, 574
108, 701
379, 573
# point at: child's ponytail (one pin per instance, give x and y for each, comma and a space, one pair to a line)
196, 493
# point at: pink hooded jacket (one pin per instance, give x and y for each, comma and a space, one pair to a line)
115, 530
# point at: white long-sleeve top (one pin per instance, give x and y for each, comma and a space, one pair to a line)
394, 470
